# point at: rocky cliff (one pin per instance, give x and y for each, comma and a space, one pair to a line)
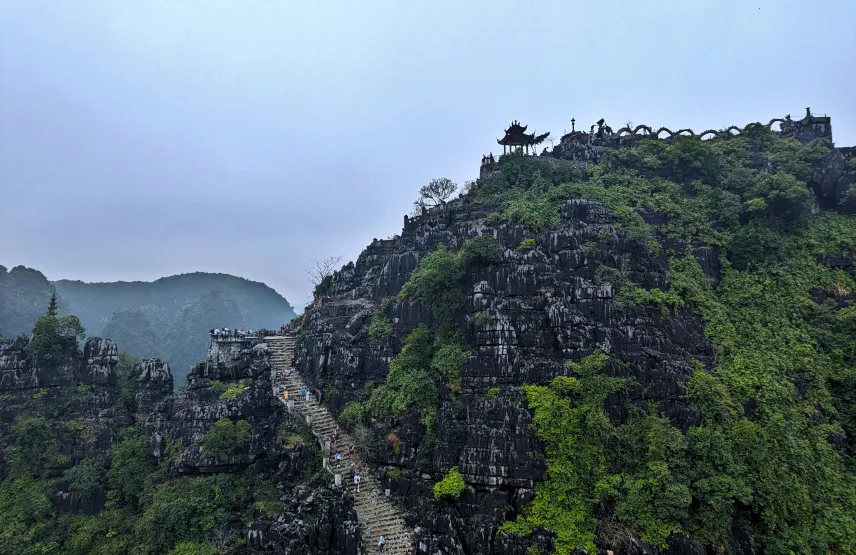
641, 289
219, 465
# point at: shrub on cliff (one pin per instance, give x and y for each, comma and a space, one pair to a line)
451, 486
226, 440
54, 339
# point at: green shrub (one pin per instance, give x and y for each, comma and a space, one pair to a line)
492, 392
482, 249
526, 244
380, 328
83, 390
482, 319
233, 391
353, 414
226, 440
411, 382
437, 283
451, 486
54, 339
218, 387
86, 477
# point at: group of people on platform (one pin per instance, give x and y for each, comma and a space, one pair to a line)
488, 159
233, 332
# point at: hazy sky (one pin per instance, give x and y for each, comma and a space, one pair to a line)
145, 139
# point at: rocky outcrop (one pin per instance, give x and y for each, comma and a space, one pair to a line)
537, 309
77, 401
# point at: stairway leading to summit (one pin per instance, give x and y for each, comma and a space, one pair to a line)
378, 514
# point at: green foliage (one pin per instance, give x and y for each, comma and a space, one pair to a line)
218, 387
132, 465
233, 391
54, 339
226, 440
779, 350
530, 208
577, 472
526, 244
482, 249
86, 477
35, 446
447, 360
25, 515
436, 282
492, 392
353, 414
83, 390
451, 486
411, 381
194, 548
380, 328
482, 319
126, 383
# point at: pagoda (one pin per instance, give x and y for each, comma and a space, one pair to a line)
516, 139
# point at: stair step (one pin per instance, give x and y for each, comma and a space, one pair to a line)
377, 514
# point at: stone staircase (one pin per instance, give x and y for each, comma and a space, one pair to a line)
377, 513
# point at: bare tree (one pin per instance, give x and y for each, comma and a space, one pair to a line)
322, 269
437, 192
224, 539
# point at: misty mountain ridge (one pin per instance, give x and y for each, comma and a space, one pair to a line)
167, 318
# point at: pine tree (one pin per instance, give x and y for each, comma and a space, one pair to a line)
52, 306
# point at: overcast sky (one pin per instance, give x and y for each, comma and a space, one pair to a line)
145, 139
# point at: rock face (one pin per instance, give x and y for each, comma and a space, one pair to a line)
77, 400
234, 383
538, 308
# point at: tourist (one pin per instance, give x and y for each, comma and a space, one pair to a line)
381, 543
307, 395
338, 459
285, 394
357, 483
302, 393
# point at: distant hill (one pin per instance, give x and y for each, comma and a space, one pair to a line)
168, 318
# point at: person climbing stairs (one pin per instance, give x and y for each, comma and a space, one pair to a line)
378, 514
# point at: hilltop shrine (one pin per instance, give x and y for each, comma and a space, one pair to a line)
516, 138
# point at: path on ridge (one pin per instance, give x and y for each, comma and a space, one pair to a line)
378, 514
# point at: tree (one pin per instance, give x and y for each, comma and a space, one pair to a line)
437, 192
226, 440
54, 338
321, 273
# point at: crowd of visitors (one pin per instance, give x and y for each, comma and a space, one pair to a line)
284, 329
233, 332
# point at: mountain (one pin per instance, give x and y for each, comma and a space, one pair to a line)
625, 343
24, 296
167, 318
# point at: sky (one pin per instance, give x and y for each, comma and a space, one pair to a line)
145, 139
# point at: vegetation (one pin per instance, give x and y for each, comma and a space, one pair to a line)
226, 440
437, 281
414, 378
435, 193
380, 328
451, 486
233, 391
782, 350
526, 244
54, 339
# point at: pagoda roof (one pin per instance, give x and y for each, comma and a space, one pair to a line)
516, 135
